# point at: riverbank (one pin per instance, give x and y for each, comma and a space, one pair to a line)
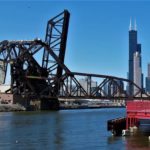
88, 107
17, 107
11, 107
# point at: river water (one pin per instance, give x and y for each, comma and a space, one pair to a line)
65, 130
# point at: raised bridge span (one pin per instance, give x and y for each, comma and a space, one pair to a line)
38, 71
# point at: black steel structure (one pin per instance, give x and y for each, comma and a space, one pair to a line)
33, 77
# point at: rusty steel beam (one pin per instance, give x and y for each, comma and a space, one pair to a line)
26, 80
77, 90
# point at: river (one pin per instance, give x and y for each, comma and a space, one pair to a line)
65, 130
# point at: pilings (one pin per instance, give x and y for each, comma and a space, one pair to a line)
122, 126
131, 122
116, 125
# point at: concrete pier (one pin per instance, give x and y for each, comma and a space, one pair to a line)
30, 104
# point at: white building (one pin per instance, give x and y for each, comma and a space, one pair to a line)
137, 71
85, 83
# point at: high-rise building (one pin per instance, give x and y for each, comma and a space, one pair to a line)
148, 70
137, 71
87, 83
111, 88
148, 79
134, 55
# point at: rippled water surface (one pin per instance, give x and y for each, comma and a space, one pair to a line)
65, 130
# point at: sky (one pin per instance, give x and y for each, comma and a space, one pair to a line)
98, 30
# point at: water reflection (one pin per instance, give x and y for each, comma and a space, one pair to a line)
58, 133
137, 141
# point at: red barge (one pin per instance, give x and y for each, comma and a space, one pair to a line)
138, 114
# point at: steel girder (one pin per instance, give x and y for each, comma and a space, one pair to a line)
35, 81
28, 77
56, 38
72, 88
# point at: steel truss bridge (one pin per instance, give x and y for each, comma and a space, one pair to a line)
38, 71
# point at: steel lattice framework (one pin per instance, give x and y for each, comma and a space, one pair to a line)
49, 77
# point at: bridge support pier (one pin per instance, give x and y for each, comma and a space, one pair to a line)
36, 104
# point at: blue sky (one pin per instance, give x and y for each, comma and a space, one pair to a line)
98, 30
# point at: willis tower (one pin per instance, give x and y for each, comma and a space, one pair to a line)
135, 67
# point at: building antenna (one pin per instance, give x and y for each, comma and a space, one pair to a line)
130, 26
135, 26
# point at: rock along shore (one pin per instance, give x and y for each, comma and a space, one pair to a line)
11, 107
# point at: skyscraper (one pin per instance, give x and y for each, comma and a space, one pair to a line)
134, 55
111, 88
85, 83
148, 70
148, 79
137, 71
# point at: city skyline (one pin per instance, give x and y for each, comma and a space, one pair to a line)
104, 29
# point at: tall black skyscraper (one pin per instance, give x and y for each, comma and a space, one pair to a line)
148, 79
134, 47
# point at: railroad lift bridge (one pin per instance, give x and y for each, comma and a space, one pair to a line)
38, 71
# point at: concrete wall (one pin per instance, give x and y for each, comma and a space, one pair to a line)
4, 87
6, 98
